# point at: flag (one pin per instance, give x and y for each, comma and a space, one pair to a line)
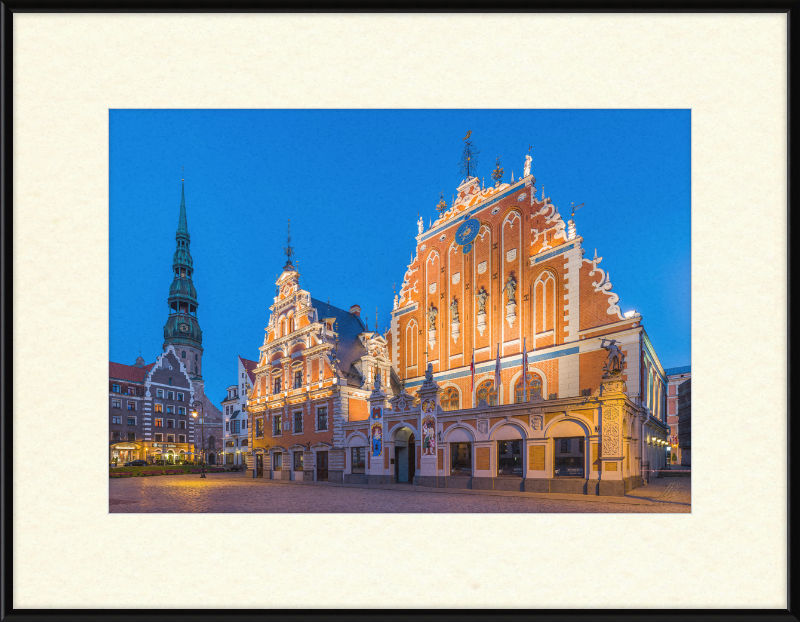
525, 368
497, 373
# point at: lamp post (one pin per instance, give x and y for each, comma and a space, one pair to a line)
202, 434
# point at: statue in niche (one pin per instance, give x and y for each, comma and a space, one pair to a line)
511, 287
454, 310
432, 313
482, 296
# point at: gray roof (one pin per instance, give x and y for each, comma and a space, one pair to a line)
349, 327
235, 414
673, 371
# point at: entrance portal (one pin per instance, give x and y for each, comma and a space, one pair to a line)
322, 466
259, 465
404, 456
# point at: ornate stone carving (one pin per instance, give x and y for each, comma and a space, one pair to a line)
482, 267
611, 427
536, 422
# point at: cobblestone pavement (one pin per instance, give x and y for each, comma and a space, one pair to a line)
228, 492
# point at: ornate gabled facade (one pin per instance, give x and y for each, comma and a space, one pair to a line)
499, 278
316, 367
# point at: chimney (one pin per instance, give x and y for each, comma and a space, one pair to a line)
355, 310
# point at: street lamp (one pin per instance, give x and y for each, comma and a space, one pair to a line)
202, 435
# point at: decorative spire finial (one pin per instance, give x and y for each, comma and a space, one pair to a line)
497, 173
469, 160
442, 204
288, 250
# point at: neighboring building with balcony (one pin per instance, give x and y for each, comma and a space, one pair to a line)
675, 376
685, 422
236, 439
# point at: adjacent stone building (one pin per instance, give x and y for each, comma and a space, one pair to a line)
685, 422
236, 439
675, 376
151, 405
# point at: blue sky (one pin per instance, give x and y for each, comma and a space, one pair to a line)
352, 182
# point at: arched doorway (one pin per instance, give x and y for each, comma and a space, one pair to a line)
404, 456
212, 459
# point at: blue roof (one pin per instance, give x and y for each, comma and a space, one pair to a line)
674, 371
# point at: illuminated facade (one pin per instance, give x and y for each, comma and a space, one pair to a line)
675, 377
501, 273
236, 441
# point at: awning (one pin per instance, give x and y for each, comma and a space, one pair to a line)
235, 414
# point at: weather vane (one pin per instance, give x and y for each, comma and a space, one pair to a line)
442, 204
574, 207
288, 250
497, 173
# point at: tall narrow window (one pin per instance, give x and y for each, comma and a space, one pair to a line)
544, 307
298, 379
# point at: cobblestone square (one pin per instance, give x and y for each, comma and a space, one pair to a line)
229, 492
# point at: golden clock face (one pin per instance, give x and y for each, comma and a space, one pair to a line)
184, 328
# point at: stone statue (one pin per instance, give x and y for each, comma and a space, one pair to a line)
377, 378
511, 286
432, 313
454, 310
420, 225
482, 296
615, 357
527, 166
429, 373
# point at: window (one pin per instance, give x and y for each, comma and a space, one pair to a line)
159, 423
159, 408
509, 458
183, 354
170, 423
170, 438
195, 369
170, 409
298, 421
449, 399
228, 458
115, 388
116, 403
228, 443
181, 425
180, 397
227, 423
359, 460
159, 437
116, 419
485, 391
195, 357
170, 382
569, 457
460, 458
159, 392
277, 388
131, 436
170, 395
322, 418
534, 388
586, 392
115, 436
276, 425
298, 379
181, 438
237, 426
277, 461
131, 405
131, 391
131, 420
298, 460
244, 443
182, 410
259, 427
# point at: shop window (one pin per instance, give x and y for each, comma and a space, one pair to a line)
534, 388
509, 458
228, 458
449, 399
460, 458
259, 427
115, 388
131, 436
160, 393
298, 460
116, 403
159, 437
322, 418
131, 420
298, 421
486, 391
277, 461
569, 457
276, 425
116, 419
359, 460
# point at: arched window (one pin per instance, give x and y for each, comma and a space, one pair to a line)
411, 343
183, 354
486, 391
544, 306
195, 369
449, 399
212, 442
534, 388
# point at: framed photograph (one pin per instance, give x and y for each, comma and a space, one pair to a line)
265, 270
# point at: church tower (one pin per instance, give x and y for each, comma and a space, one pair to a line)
182, 329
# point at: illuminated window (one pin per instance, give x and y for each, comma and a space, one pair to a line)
276, 425
534, 388
159, 408
449, 399
159, 423
259, 427
298, 461
486, 391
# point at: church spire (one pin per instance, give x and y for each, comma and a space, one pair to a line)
182, 226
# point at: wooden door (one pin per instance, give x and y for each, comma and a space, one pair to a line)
322, 466
259, 465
